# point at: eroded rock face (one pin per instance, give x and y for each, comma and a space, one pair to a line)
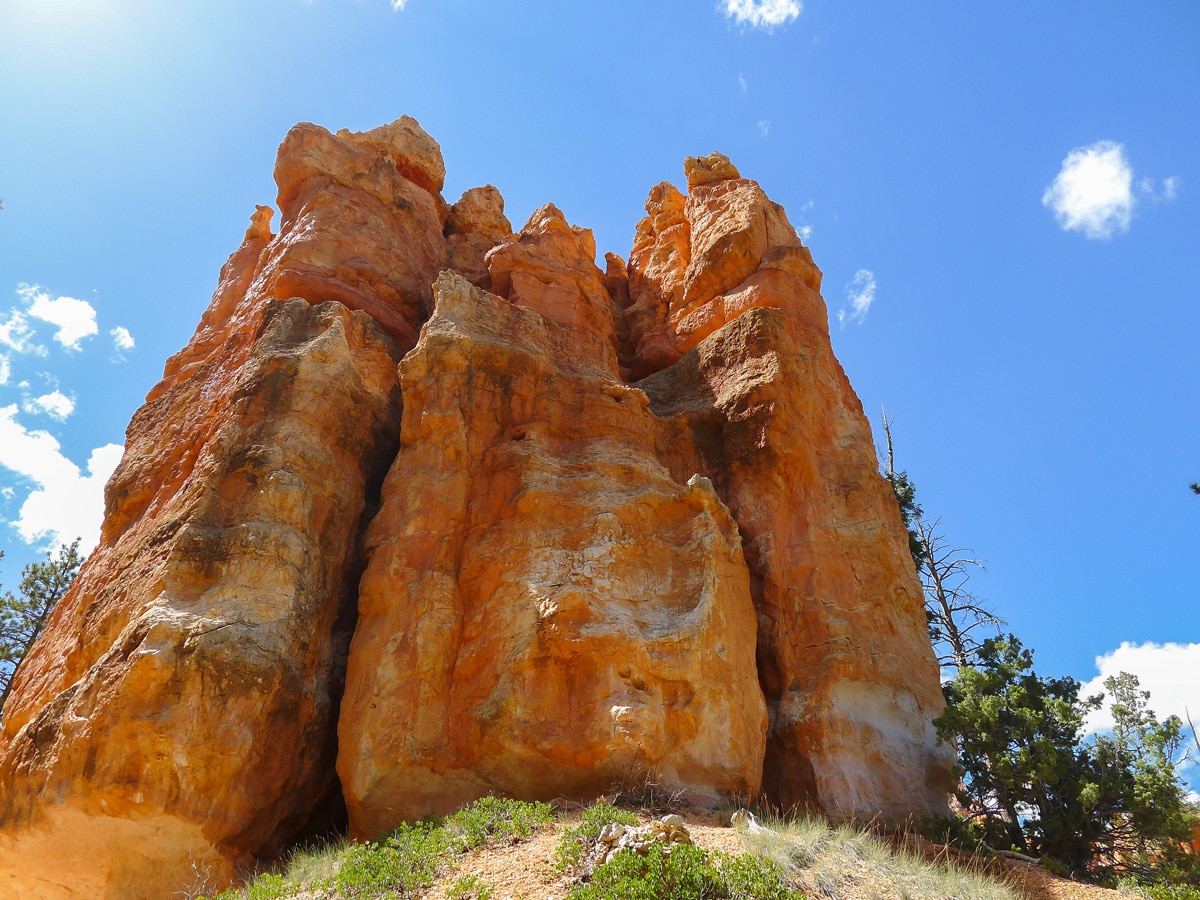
545, 608
476, 224
177, 720
631, 521
182, 705
843, 659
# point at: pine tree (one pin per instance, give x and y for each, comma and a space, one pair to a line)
24, 615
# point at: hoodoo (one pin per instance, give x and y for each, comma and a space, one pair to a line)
428, 510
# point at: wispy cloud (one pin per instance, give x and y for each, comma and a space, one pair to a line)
122, 339
399, 4
75, 319
16, 334
764, 127
860, 294
1167, 671
66, 504
5, 369
1168, 192
742, 83
762, 13
55, 404
122, 342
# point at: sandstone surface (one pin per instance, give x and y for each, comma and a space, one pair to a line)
475, 225
181, 710
545, 608
549, 527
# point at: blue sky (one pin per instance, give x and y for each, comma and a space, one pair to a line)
1003, 199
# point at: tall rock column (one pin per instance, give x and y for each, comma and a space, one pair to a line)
764, 409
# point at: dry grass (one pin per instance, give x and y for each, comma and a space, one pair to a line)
846, 862
315, 865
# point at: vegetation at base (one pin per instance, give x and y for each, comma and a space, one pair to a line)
684, 872
24, 615
405, 860
578, 839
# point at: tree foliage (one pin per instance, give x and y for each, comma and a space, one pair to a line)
1149, 821
1029, 782
24, 615
1018, 741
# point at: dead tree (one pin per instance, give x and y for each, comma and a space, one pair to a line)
954, 614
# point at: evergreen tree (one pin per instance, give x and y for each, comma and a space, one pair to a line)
23, 616
1024, 772
1113, 805
1148, 820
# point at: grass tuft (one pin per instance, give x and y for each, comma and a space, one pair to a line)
835, 858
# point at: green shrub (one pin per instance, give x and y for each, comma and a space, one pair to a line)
754, 878
579, 838
470, 887
268, 887
407, 859
684, 872
494, 819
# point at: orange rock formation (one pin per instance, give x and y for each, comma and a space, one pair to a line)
428, 510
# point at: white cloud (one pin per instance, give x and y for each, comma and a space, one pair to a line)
860, 294
76, 319
742, 83
399, 4
56, 405
122, 339
5, 369
762, 13
1093, 192
806, 233
16, 334
765, 127
66, 504
1167, 671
